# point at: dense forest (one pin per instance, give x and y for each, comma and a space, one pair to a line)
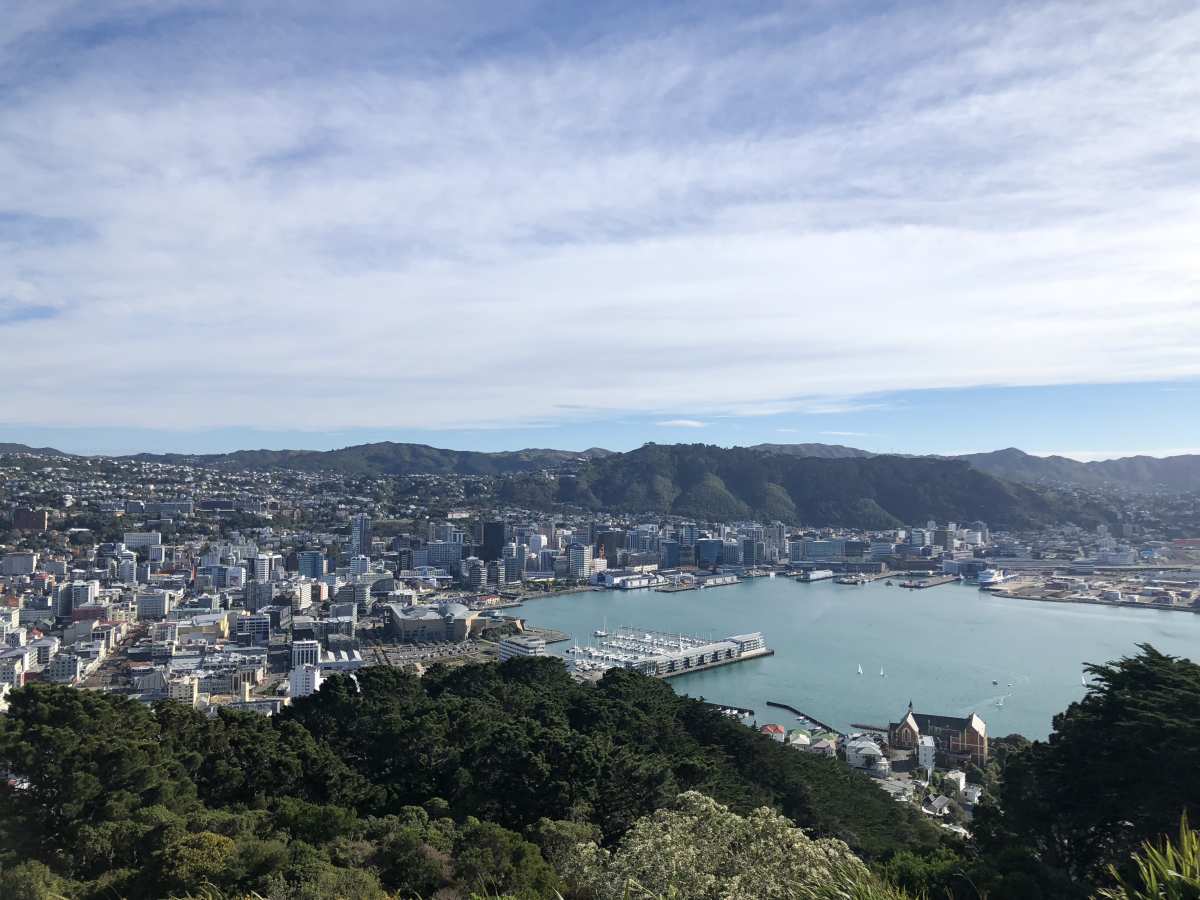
511, 779
717, 484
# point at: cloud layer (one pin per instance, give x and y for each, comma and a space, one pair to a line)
279, 216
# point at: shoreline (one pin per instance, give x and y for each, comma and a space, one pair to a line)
1087, 601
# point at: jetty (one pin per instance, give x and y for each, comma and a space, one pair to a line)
934, 581
803, 715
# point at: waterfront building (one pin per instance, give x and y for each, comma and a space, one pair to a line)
414, 624
580, 562
521, 645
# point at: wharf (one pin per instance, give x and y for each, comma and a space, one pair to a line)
936, 580
700, 667
739, 711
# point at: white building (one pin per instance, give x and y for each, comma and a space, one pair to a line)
926, 752
521, 645
304, 680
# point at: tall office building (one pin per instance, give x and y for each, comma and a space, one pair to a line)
580, 557
360, 534
493, 540
311, 563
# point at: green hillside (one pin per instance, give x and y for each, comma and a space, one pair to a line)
714, 483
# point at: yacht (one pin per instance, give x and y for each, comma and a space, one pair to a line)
860, 670
602, 632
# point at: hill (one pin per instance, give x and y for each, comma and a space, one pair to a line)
1137, 473
815, 451
385, 458
712, 483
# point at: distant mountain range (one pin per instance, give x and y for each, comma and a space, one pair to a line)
386, 458
1135, 473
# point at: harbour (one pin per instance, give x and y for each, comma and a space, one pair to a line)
942, 649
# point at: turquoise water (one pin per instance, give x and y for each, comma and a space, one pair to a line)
940, 647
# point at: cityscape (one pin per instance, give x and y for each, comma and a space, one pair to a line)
599, 451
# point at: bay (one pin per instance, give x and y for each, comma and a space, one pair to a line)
941, 647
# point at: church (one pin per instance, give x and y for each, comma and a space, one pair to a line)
958, 738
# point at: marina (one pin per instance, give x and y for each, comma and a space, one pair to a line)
940, 648
660, 654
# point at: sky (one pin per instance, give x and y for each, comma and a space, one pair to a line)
926, 227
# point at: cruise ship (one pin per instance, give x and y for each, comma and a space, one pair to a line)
992, 577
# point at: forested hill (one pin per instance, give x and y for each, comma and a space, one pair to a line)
385, 458
1135, 473
713, 483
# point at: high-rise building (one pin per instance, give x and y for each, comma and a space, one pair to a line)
708, 552
311, 563
474, 572
360, 564
609, 545
493, 540
580, 562
360, 534
496, 574
668, 554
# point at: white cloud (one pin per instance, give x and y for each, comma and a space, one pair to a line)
847, 433
337, 223
681, 423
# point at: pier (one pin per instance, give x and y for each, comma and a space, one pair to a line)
934, 581
803, 715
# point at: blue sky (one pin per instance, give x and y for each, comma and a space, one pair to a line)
925, 227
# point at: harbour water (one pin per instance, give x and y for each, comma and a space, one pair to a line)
941, 647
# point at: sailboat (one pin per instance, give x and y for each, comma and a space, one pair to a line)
602, 632
1000, 702
860, 670
881, 675
1083, 681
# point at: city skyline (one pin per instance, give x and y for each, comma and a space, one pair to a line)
536, 226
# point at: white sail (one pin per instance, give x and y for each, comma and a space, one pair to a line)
860, 670
881, 675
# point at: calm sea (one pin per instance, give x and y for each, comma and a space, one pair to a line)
941, 647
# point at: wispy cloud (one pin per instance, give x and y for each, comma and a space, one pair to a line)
681, 423
847, 433
636, 215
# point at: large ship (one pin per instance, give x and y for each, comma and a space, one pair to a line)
992, 577
816, 575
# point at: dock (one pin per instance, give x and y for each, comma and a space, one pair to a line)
914, 585
803, 715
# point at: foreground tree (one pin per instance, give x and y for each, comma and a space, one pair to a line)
1117, 771
698, 848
